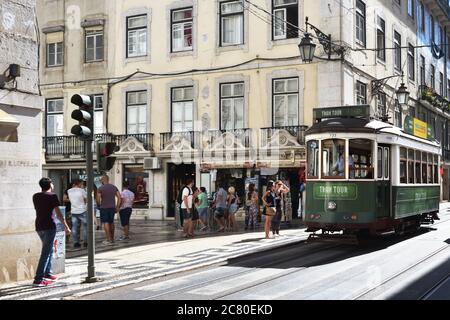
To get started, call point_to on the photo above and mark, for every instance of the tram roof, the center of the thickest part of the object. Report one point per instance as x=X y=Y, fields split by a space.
x=361 y=125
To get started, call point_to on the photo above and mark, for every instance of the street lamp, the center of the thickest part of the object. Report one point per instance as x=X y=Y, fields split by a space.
x=307 y=47
x=402 y=95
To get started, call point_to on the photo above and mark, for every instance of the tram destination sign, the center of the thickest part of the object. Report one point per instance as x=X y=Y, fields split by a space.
x=360 y=111
x=336 y=191
x=418 y=128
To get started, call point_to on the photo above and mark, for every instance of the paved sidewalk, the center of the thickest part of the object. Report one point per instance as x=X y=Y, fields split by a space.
x=125 y=266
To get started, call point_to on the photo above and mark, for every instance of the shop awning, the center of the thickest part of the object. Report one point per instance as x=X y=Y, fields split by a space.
x=8 y=127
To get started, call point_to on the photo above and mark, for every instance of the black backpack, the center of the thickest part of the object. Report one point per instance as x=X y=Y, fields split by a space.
x=180 y=193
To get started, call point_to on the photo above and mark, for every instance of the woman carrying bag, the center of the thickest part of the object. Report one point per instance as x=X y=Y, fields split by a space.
x=269 y=204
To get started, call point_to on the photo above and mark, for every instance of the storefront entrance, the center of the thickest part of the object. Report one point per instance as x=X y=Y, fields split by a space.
x=176 y=178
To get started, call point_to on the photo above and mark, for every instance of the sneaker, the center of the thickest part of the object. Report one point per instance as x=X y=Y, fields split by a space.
x=50 y=277
x=122 y=238
x=77 y=245
x=106 y=242
x=204 y=228
x=42 y=283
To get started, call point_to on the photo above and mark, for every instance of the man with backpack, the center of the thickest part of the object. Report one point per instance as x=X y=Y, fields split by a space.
x=185 y=198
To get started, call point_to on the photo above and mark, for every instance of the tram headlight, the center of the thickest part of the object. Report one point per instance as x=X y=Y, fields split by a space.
x=331 y=205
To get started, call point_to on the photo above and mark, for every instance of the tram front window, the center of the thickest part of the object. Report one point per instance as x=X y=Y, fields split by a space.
x=333 y=159
x=313 y=159
x=360 y=159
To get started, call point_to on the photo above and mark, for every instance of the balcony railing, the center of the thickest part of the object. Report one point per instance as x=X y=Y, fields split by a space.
x=168 y=137
x=298 y=132
x=243 y=136
x=436 y=100
x=67 y=146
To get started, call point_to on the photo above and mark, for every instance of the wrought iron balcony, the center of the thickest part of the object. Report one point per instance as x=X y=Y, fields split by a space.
x=439 y=8
x=436 y=100
x=71 y=146
x=279 y=136
x=178 y=140
x=239 y=138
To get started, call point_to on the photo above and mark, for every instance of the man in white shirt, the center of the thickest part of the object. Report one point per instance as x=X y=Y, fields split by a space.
x=186 y=207
x=78 y=198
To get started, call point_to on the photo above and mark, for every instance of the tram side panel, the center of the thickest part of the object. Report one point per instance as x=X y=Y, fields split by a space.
x=342 y=205
x=414 y=200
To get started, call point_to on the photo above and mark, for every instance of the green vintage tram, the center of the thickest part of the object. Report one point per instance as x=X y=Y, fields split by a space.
x=368 y=177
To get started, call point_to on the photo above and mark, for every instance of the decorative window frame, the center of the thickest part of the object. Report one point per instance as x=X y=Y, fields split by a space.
x=136 y=12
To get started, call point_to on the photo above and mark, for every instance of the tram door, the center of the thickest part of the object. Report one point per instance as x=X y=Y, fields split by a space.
x=384 y=181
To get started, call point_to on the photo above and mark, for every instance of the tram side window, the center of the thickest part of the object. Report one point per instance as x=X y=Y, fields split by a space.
x=380 y=163
x=360 y=159
x=410 y=166
x=403 y=161
x=430 y=168
x=424 y=167
x=313 y=159
x=333 y=159
x=417 y=166
x=435 y=169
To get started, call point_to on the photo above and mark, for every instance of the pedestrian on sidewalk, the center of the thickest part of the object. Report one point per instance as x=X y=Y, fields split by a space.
x=187 y=208
x=78 y=199
x=106 y=197
x=46 y=203
x=126 y=207
x=252 y=207
x=220 y=205
x=202 y=208
x=270 y=208
x=280 y=190
x=233 y=207
x=195 y=215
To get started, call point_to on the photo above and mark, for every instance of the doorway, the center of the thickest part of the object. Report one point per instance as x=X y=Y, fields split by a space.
x=176 y=178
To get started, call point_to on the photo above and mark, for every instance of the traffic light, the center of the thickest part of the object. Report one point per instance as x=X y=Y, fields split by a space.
x=105 y=161
x=85 y=117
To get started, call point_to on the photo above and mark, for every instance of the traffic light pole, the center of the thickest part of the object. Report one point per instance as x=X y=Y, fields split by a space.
x=90 y=223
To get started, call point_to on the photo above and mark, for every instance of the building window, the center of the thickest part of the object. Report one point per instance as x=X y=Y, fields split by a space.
x=422 y=17
x=361 y=93
x=54 y=54
x=433 y=76
x=182 y=101
x=381 y=39
x=381 y=105
x=98 y=114
x=137 y=179
x=94 y=46
x=55 y=117
x=411 y=60
x=422 y=70
x=397 y=51
x=232 y=106
x=137 y=36
x=136 y=112
x=182 y=24
x=285 y=102
x=284 y=19
x=441 y=84
x=411 y=8
x=361 y=23
x=432 y=31
x=231 y=23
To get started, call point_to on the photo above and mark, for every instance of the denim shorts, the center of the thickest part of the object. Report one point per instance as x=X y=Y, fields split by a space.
x=220 y=212
x=186 y=214
x=125 y=215
x=107 y=215
x=203 y=213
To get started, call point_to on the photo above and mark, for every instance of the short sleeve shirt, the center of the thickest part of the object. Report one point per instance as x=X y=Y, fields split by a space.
x=108 y=193
x=203 y=200
x=186 y=193
x=221 y=198
x=44 y=204
x=127 y=199
x=77 y=197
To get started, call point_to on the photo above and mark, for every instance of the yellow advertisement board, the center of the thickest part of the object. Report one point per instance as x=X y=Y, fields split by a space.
x=420 y=129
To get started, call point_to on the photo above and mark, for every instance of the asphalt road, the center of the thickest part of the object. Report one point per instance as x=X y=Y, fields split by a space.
x=409 y=267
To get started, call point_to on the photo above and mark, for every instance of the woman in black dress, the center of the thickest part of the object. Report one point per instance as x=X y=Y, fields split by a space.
x=280 y=189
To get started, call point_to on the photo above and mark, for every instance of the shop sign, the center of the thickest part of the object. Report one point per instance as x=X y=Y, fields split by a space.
x=418 y=128
x=336 y=191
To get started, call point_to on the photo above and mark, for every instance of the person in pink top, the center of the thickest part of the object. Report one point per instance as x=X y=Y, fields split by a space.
x=126 y=207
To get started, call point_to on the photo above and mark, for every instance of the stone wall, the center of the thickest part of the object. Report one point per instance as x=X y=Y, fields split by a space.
x=20 y=162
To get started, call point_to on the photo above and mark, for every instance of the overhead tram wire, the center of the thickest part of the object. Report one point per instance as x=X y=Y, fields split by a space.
x=334 y=42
